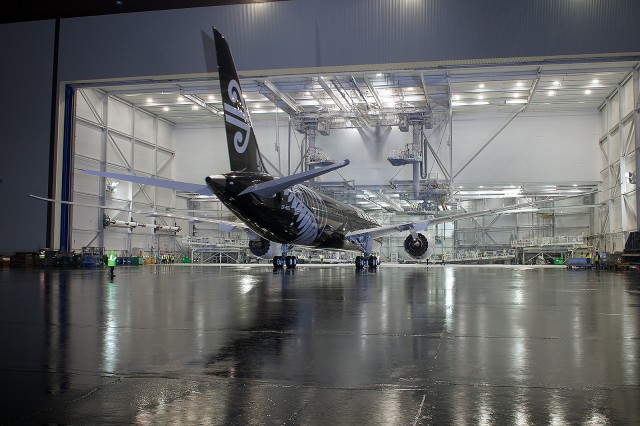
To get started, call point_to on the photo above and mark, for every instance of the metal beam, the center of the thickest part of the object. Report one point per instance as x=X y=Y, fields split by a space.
x=283 y=96
x=202 y=104
x=636 y=127
x=332 y=95
x=436 y=158
x=373 y=92
x=495 y=135
x=426 y=91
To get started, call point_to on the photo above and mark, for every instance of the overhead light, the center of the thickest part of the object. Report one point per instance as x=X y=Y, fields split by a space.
x=410 y=89
x=587 y=92
x=210 y=97
x=556 y=83
x=307 y=93
x=575 y=184
x=516 y=101
x=149 y=100
x=481 y=85
x=195 y=107
x=165 y=109
x=456 y=97
x=481 y=186
x=481 y=103
x=519 y=84
x=480 y=97
x=379 y=75
x=595 y=81
x=551 y=93
x=180 y=98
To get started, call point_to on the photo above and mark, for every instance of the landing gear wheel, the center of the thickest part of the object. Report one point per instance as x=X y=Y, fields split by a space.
x=360 y=262
x=278 y=262
x=372 y=262
x=290 y=262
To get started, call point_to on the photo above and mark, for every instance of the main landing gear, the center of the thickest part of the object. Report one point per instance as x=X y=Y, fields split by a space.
x=283 y=261
x=289 y=262
x=370 y=262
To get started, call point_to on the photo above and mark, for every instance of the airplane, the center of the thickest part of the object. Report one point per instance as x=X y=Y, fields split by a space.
x=284 y=210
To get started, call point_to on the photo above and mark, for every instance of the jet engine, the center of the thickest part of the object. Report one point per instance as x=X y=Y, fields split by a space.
x=418 y=248
x=262 y=248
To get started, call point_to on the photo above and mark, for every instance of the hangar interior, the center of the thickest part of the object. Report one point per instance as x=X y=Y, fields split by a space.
x=423 y=140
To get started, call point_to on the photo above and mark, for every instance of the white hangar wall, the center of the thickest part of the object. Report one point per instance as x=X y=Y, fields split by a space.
x=137 y=143
x=618 y=212
x=535 y=148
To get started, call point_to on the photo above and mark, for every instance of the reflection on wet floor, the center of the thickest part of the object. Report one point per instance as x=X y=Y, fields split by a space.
x=247 y=345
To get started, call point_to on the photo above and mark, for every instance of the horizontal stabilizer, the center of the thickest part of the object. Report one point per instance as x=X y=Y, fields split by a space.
x=162 y=183
x=269 y=188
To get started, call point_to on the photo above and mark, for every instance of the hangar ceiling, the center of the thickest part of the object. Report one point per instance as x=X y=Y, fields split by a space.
x=387 y=97
x=367 y=98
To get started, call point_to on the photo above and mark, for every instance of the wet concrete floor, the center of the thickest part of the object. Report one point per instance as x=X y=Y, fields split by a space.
x=322 y=345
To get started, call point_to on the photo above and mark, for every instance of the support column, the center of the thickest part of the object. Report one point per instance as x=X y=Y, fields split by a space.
x=636 y=131
x=611 y=176
x=310 y=131
x=416 y=165
x=104 y=140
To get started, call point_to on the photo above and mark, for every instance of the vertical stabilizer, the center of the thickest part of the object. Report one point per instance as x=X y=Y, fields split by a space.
x=244 y=154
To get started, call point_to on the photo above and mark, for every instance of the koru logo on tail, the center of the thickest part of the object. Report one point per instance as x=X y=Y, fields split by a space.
x=237 y=117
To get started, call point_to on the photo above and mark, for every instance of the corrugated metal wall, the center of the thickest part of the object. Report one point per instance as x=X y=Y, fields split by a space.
x=309 y=33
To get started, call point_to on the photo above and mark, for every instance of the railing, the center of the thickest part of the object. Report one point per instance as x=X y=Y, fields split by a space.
x=482 y=255
x=568 y=241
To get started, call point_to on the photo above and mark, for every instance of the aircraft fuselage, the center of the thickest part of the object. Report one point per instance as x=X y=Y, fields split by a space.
x=298 y=215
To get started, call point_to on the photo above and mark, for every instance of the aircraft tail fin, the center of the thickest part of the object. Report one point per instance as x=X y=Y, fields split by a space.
x=244 y=154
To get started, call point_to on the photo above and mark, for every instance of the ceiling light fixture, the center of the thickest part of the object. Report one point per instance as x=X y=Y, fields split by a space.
x=165 y=109
x=551 y=93
x=519 y=84
x=587 y=92
x=595 y=81
x=210 y=97
x=149 y=100
x=180 y=99
x=481 y=85
x=556 y=83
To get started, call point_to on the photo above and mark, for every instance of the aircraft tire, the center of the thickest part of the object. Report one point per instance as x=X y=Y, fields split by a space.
x=372 y=262
x=360 y=262
x=278 y=262
x=291 y=262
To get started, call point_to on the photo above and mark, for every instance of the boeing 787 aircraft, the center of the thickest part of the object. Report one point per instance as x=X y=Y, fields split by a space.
x=283 y=210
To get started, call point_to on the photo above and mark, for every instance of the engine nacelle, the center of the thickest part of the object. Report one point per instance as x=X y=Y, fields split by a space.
x=262 y=248
x=420 y=247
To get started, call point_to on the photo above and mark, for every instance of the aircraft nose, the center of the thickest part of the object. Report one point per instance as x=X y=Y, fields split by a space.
x=218 y=182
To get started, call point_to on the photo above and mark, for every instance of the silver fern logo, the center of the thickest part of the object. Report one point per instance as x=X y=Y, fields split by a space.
x=309 y=215
x=237 y=117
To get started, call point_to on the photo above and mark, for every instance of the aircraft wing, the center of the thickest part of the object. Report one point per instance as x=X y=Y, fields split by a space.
x=422 y=225
x=390 y=229
x=223 y=225
x=162 y=183
x=514 y=208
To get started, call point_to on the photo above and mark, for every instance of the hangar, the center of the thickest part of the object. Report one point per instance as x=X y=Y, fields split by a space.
x=440 y=110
